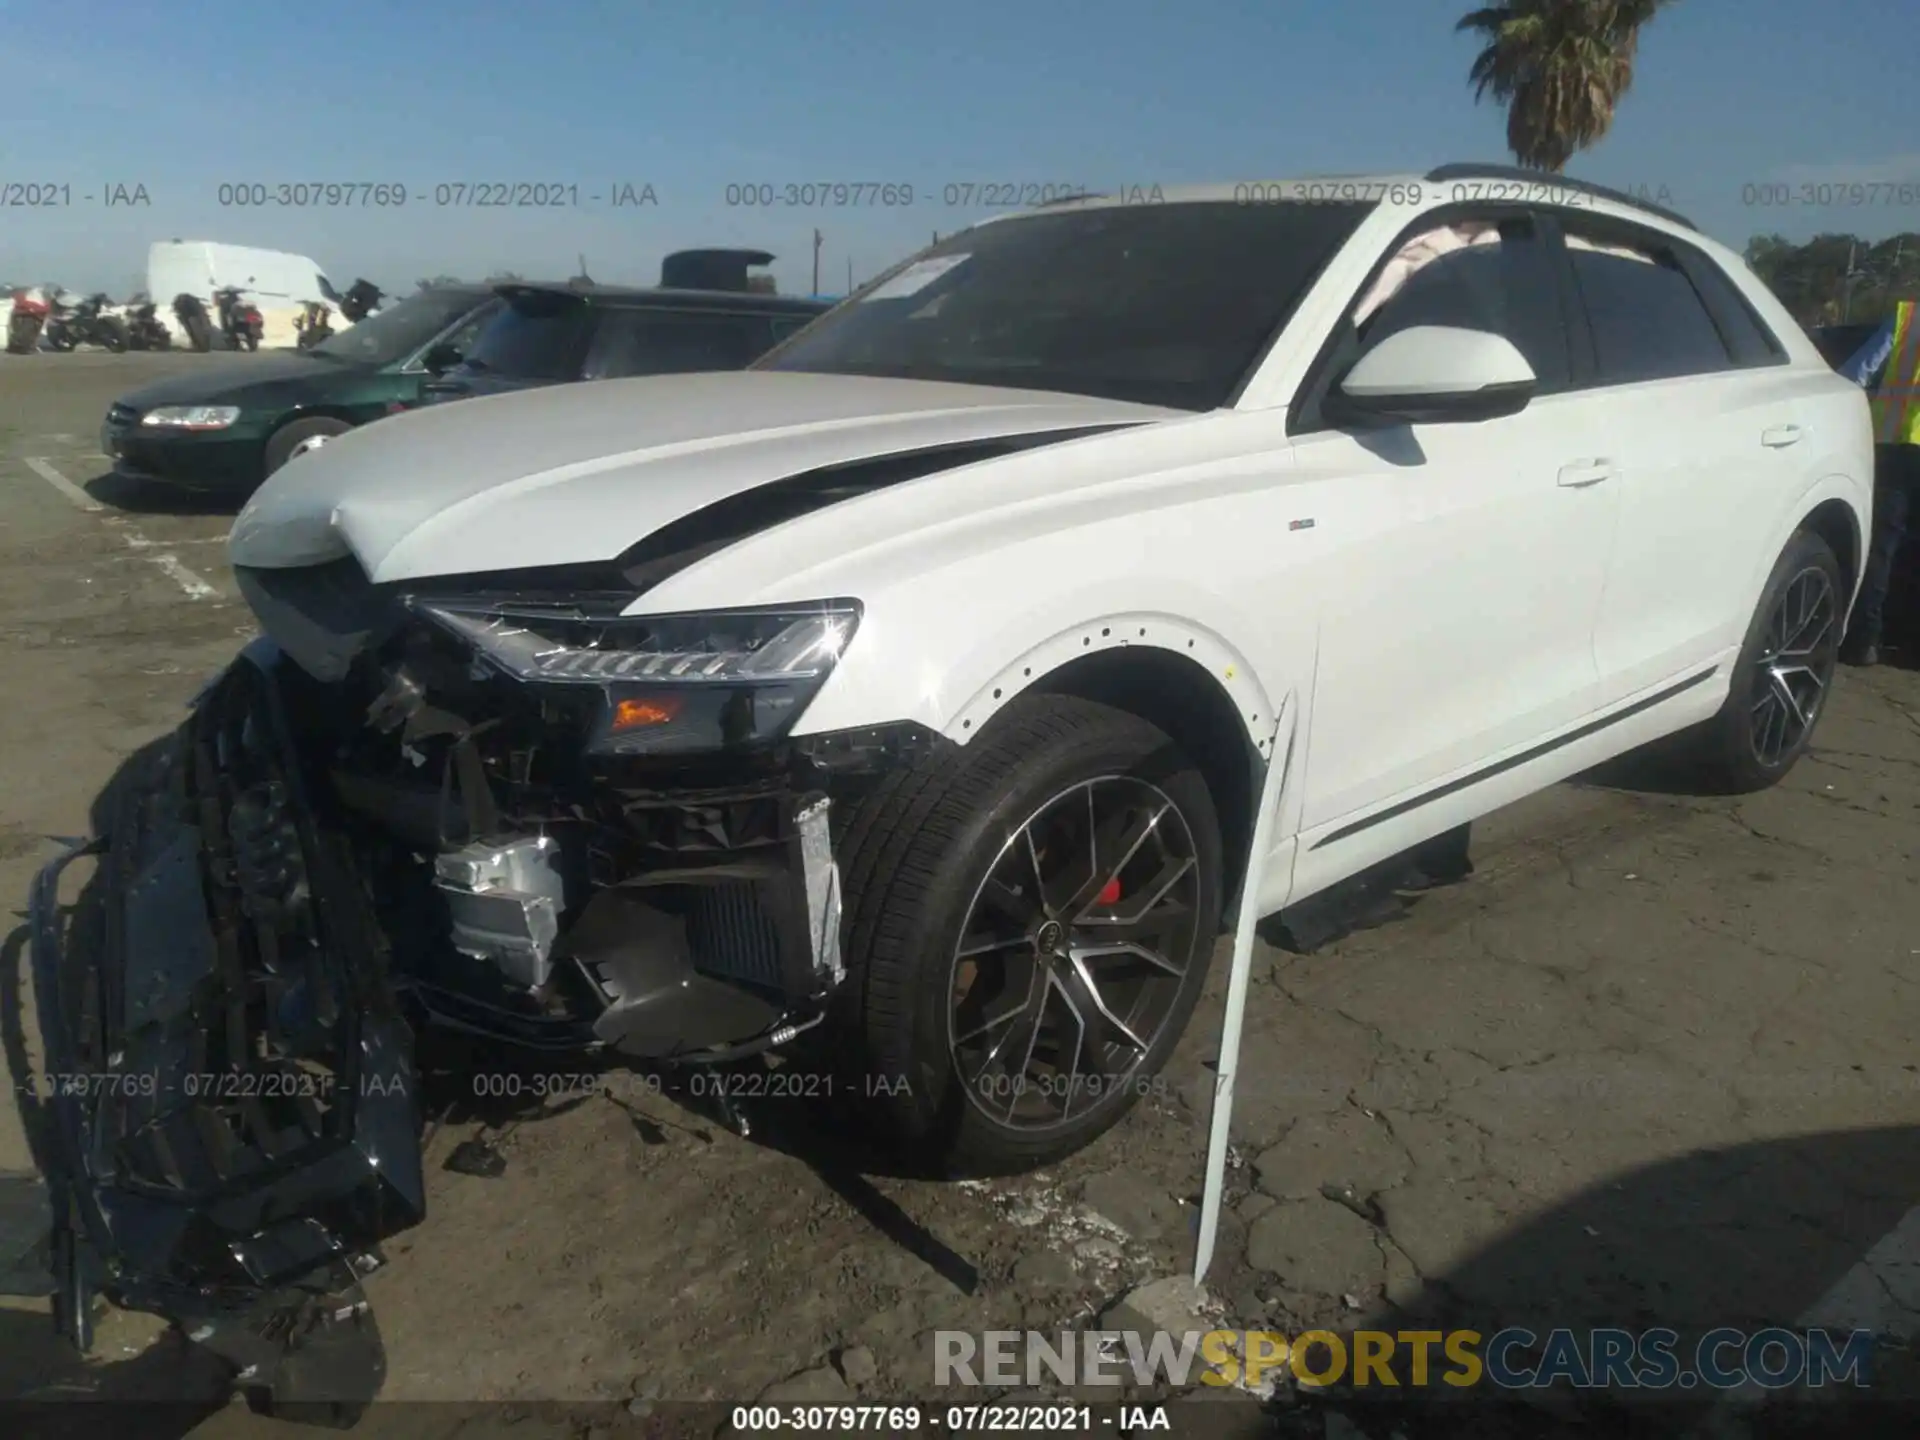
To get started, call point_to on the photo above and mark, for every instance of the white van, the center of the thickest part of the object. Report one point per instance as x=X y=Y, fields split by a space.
x=275 y=280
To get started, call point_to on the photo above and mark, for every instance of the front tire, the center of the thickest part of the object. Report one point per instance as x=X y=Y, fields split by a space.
x=1783 y=674
x=113 y=335
x=1030 y=924
x=300 y=437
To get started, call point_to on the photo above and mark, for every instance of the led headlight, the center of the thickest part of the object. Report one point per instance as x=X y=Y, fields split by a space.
x=670 y=682
x=191 y=417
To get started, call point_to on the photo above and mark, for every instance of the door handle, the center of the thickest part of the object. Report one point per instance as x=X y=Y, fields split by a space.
x=1781 y=435
x=1584 y=473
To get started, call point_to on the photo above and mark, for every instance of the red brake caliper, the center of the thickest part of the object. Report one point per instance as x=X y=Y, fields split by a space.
x=1109 y=893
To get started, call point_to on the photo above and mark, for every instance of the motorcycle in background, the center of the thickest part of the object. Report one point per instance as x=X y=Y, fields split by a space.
x=192 y=315
x=86 y=324
x=30 y=311
x=240 y=320
x=363 y=297
x=312 y=325
x=145 y=331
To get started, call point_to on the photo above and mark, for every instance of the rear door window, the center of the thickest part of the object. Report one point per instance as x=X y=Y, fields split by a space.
x=675 y=342
x=1648 y=321
x=538 y=336
x=1746 y=334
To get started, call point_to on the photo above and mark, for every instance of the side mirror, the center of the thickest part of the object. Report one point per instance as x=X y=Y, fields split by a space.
x=440 y=359
x=1433 y=375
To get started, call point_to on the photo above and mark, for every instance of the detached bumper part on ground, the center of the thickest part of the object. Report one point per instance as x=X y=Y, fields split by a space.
x=228 y=1012
x=233 y=1100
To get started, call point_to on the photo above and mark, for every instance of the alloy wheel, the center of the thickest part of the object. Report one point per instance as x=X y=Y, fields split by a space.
x=1795 y=665
x=1073 y=953
x=312 y=442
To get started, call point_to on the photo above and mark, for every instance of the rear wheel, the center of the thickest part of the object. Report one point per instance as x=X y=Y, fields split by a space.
x=1782 y=676
x=1031 y=923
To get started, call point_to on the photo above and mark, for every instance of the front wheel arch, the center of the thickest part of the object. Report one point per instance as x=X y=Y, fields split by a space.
x=1177 y=696
x=1182 y=678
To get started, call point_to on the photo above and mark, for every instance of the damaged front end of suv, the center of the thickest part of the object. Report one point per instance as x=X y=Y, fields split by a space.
x=492 y=803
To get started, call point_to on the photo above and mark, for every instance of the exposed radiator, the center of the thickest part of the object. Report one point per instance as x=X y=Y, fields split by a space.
x=731 y=934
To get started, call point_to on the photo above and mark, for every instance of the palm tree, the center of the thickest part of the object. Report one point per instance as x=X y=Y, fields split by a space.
x=1559 y=66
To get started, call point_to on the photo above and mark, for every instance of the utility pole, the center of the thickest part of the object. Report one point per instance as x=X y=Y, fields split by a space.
x=1846 y=303
x=849 y=274
x=816 y=262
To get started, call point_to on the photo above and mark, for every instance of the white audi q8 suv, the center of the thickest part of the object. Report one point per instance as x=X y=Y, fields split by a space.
x=904 y=701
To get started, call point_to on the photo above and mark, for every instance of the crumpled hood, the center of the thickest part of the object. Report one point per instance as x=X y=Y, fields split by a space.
x=578 y=473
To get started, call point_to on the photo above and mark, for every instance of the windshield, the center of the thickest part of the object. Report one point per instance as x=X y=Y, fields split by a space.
x=538 y=335
x=1163 y=304
x=397 y=332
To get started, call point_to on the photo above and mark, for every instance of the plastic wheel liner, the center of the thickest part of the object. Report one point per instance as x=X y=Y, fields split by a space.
x=233 y=1110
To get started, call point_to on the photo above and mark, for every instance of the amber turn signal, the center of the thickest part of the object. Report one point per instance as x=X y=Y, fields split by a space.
x=632 y=714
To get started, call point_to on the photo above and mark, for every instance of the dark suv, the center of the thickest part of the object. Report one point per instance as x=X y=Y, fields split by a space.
x=551 y=334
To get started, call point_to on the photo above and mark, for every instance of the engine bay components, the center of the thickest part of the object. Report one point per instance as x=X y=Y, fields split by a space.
x=504 y=899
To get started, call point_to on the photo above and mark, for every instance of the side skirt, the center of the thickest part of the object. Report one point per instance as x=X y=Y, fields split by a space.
x=1353 y=858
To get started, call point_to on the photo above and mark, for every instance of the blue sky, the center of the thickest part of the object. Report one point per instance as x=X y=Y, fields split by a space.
x=696 y=95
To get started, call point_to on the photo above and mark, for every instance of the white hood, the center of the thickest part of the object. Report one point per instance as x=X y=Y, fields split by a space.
x=578 y=473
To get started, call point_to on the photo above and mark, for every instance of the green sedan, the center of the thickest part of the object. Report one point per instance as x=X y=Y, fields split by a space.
x=227 y=430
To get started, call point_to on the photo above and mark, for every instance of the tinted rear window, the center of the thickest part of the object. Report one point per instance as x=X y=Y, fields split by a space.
x=1648 y=321
x=669 y=342
x=1746 y=334
x=535 y=337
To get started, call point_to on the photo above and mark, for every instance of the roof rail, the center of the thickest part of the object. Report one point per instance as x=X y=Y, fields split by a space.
x=1471 y=171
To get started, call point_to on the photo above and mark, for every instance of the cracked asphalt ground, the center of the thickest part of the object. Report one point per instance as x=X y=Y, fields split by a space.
x=1652 y=1064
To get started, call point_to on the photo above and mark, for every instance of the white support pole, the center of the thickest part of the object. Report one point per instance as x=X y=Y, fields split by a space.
x=1264 y=820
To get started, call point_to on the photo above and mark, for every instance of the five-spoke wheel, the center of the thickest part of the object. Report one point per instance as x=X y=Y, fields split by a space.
x=1070 y=960
x=1779 y=685
x=1795 y=664
x=1031 y=917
